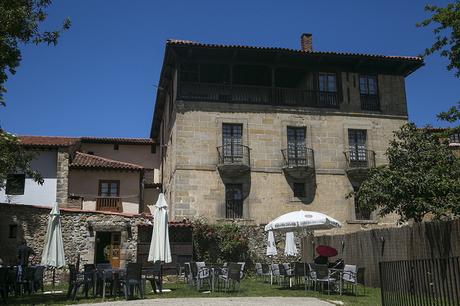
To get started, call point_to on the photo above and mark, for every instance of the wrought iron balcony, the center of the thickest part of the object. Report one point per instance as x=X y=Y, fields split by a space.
x=299 y=162
x=247 y=94
x=370 y=102
x=233 y=159
x=358 y=164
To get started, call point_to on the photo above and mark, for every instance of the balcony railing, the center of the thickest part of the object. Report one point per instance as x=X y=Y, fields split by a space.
x=370 y=102
x=109 y=204
x=298 y=157
x=246 y=94
x=234 y=209
x=234 y=154
x=360 y=159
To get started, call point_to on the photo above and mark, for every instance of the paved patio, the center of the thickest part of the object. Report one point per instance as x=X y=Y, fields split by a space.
x=230 y=301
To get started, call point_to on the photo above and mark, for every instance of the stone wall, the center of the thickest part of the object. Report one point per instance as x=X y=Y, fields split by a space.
x=195 y=188
x=62 y=188
x=78 y=230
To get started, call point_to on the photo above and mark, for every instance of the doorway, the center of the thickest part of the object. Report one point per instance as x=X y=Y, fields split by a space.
x=108 y=248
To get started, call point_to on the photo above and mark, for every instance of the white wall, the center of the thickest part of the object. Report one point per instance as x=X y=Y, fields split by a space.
x=34 y=194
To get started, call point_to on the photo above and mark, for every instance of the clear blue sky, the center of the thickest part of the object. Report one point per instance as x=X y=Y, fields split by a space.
x=99 y=80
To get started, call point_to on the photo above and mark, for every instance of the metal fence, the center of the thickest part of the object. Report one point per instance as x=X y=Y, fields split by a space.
x=420 y=282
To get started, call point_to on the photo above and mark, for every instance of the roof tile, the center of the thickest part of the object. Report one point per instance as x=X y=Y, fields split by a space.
x=83 y=160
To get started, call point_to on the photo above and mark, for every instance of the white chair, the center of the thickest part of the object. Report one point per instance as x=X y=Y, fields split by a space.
x=275 y=273
x=349 y=277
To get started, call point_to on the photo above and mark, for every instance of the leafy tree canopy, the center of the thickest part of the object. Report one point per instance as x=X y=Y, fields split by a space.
x=422 y=177
x=447 y=33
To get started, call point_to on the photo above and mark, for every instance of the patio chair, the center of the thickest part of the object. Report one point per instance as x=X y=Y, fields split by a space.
x=38 y=278
x=286 y=273
x=156 y=277
x=259 y=272
x=275 y=273
x=3 y=284
x=132 y=279
x=231 y=277
x=243 y=264
x=309 y=276
x=324 y=276
x=188 y=274
x=265 y=272
x=104 y=277
x=85 y=279
x=349 y=277
x=202 y=274
x=299 y=272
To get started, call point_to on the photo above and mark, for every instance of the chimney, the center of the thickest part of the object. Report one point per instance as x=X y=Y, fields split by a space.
x=306 y=42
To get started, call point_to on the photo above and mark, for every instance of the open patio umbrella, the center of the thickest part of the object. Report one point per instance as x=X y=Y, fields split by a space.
x=290 y=249
x=302 y=221
x=271 y=245
x=53 y=250
x=326 y=251
x=159 y=246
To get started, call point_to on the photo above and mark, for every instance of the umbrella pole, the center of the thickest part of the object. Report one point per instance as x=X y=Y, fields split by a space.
x=54 y=278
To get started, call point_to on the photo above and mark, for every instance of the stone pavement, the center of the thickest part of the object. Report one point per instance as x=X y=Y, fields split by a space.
x=230 y=301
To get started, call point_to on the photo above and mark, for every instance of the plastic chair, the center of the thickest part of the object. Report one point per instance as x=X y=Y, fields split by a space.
x=38 y=278
x=275 y=273
x=133 y=279
x=104 y=278
x=233 y=276
x=202 y=274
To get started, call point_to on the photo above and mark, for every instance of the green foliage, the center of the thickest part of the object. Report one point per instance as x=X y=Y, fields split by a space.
x=447 y=33
x=14 y=159
x=218 y=243
x=19 y=23
x=422 y=177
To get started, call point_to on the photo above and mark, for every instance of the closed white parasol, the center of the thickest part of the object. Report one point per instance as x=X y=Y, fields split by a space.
x=302 y=221
x=159 y=246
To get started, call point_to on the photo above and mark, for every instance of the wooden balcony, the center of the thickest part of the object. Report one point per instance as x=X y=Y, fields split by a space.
x=109 y=204
x=246 y=94
x=234 y=159
x=358 y=164
x=298 y=163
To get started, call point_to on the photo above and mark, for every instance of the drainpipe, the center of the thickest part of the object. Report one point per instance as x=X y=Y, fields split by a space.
x=141 y=190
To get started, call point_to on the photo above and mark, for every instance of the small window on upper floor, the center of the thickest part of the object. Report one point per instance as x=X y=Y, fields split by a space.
x=299 y=190
x=15 y=184
x=115 y=146
x=454 y=139
x=327 y=82
x=13 y=231
x=368 y=89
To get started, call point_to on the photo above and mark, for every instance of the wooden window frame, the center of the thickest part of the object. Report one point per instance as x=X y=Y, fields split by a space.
x=336 y=77
x=109 y=182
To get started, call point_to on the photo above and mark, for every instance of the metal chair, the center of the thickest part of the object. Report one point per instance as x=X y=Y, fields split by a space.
x=324 y=276
x=132 y=279
x=274 y=273
x=232 y=276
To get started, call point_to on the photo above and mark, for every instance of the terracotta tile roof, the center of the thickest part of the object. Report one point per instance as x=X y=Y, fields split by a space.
x=84 y=161
x=47 y=141
x=194 y=43
x=146 y=141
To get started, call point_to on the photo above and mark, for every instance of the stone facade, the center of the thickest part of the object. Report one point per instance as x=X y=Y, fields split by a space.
x=196 y=188
x=62 y=173
x=78 y=231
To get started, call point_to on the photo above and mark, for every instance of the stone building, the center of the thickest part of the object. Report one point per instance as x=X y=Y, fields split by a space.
x=249 y=133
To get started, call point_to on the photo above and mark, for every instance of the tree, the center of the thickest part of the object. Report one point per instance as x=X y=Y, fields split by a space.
x=447 y=33
x=19 y=24
x=422 y=177
x=14 y=158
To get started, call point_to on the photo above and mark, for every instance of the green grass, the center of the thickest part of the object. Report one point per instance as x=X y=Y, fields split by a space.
x=249 y=287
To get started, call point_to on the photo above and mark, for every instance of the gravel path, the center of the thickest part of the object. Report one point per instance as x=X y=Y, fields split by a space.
x=230 y=301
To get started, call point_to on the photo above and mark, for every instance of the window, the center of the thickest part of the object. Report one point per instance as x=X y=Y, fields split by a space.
x=115 y=146
x=357 y=146
x=454 y=139
x=153 y=149
x=234 y=201
x=13 y=231
x=109 y=188
x=232 y=138
x=369 y=92
x=360 y=213
x=296 y=145
x=299 y=190
x=15 y=184
x=327 y=82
